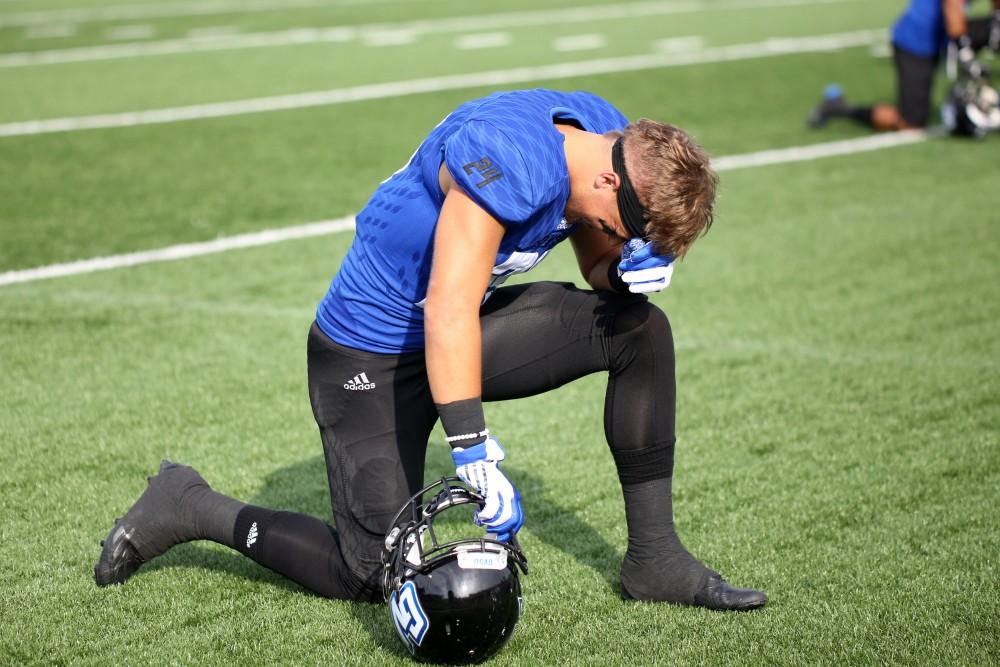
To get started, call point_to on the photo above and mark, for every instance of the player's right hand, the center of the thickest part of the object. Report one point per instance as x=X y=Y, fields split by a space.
x=966 y=57
x=477 y=466
x=643 y=269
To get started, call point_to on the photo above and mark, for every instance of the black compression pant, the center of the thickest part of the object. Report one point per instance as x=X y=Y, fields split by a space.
x=375 y=414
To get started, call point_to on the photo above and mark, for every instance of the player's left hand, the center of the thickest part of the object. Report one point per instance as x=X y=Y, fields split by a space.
x=643 y=269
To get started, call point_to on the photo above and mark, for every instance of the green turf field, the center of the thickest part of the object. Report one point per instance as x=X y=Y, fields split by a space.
x=837 y=335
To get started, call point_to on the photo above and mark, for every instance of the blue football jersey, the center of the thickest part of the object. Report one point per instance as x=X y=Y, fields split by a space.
x=506 y=154
x=920 y=30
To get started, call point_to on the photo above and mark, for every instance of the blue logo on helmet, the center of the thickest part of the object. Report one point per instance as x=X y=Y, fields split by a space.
x=408 y=616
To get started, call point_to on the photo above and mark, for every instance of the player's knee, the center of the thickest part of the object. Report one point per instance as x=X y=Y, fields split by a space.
x=641 y=329
x=887 y=118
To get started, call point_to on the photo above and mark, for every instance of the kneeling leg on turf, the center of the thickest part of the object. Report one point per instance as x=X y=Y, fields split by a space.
x=374 y=443
x=179 y=506
x=540 y=336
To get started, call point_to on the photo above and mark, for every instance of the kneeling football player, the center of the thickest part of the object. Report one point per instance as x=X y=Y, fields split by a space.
x=416 y=327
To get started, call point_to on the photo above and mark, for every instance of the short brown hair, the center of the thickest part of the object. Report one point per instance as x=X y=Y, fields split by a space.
x=674 y=181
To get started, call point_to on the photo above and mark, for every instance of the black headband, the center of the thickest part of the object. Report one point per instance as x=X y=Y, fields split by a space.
x=632 y=212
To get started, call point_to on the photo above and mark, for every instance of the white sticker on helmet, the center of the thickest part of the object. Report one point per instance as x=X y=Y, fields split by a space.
x=482 y=560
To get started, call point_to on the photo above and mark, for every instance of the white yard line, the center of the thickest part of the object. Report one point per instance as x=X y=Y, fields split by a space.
x=579 y=42
x=295 y=36
x=190 y=44
x=388 y=38
x=679 y=44
x=483 y=40
x=213 y=32
x=267 y=237
x=828 y=149
x=175 y=252
x=168 y=10
x=50 y=31
x=127 y=32
x=494 y=78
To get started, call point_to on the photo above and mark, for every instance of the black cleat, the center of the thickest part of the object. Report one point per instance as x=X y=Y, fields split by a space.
x=719 y=595
x=833 y=104
x=119 y=560
x=154 y=524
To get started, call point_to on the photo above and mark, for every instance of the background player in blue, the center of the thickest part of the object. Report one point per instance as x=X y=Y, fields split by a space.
x=919 y=37
x=416 y=327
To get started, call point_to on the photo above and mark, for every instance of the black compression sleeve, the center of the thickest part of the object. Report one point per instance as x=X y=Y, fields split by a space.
x=463 y=421
x=862 y=115
x=302 y=548
x=615 y=280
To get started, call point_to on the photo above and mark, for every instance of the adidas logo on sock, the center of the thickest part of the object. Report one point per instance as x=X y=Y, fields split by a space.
x=359 y=382
x=252 y=535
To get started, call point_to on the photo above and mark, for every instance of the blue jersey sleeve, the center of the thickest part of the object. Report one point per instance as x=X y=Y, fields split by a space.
x=491 y=169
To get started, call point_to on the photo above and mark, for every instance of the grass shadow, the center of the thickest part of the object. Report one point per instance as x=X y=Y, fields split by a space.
x=195 y=555
x=301 y=487
x=561 y=528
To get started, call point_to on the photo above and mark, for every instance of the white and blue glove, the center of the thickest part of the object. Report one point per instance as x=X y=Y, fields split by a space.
x=964 y=59
x=477 y=466
x=642 y=269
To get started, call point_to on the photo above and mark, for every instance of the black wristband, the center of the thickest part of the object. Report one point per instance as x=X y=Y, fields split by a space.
x=615 y=280
x=463 y=421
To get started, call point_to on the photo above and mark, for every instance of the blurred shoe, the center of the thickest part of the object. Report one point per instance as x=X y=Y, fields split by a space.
x=833 y=104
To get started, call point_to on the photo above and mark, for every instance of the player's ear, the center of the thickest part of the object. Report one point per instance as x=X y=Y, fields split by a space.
x=607 y=180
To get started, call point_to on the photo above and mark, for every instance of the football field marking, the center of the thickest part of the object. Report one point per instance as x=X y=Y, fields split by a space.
x=495 y=78
x=483 y=40
x=126 y=32
x=325 y=227
x=50 y=31
x=580 y=42
x=827 y=149
x=169 y=10
x=315 y=35
x=678 y=44
x=213 y=32
x=388 y=38
x=181 y=251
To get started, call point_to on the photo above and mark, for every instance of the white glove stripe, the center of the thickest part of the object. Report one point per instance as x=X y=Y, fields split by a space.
x=644 y=275
x=646 y=288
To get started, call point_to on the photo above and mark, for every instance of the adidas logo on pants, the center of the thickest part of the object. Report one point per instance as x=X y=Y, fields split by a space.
x=360 y=382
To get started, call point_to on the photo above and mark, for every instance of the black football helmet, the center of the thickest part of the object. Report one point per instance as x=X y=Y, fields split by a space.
x=972 y=106
x=455 y=601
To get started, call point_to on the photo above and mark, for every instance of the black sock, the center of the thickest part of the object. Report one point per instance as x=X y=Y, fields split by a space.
x=179 y=506
x=302 y=548
x=213 y=515
x=861 y=115
x=656 y=564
